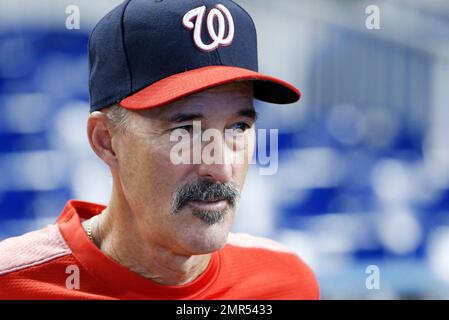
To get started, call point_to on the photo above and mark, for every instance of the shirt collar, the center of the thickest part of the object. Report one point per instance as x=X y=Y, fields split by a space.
x=118 y=279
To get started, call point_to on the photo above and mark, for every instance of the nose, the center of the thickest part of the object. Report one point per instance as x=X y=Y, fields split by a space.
x=216 y=165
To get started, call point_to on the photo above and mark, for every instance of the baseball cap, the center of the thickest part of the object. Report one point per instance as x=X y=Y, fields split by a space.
x=147 y=53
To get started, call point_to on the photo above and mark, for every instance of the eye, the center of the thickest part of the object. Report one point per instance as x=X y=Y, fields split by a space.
x=188 y=128
x=240 y=127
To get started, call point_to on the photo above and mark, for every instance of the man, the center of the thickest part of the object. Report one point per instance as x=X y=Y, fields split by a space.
x=157 y=70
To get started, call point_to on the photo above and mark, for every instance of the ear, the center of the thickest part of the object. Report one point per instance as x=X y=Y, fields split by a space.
x=99 y=132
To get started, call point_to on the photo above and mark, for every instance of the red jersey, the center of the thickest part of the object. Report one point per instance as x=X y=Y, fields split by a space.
x=60 y=262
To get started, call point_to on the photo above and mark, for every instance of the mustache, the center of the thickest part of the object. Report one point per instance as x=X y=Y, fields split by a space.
x=205 y=190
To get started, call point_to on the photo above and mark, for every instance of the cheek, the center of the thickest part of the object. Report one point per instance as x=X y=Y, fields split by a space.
x=148 y=177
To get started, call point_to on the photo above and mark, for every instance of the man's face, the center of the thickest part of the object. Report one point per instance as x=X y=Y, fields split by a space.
x=187 y=208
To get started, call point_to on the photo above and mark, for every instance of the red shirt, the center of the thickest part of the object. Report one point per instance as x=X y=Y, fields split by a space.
x=50 y=264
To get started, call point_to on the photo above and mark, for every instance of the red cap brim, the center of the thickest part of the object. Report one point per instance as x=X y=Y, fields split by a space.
x=177 y=86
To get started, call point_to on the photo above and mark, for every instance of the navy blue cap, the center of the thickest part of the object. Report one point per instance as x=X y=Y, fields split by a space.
x=147 y=53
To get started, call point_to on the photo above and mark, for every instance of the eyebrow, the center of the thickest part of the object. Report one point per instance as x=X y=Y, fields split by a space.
x=184 y=117
x=249 y=113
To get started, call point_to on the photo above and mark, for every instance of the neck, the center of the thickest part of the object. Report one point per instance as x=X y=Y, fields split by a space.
x=117 y=235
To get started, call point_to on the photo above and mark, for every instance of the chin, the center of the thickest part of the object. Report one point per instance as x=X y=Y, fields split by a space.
x=207 y=240
x=199 y=236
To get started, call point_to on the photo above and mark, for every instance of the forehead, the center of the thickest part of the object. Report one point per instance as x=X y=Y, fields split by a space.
x=234 y=96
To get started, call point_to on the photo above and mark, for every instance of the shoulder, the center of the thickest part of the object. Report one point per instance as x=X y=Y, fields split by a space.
x=31 y=249
x=247 y=241
x=271 y=260
x=251 y=248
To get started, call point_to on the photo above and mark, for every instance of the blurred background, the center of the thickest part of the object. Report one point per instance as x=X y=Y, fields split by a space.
x=363 y=174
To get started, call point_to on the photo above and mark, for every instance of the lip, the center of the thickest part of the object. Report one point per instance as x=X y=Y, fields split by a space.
x=208 y=205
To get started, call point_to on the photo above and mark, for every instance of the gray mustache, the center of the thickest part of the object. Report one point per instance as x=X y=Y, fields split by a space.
x=205 y=190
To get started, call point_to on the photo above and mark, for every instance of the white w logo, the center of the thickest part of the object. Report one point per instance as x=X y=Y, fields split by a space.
x=219 y=13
